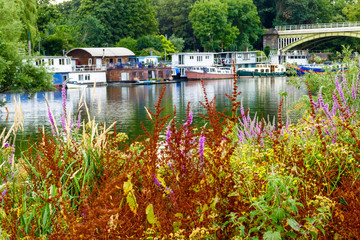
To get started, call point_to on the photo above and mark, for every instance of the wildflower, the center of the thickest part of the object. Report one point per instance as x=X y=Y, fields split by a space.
x=63 y=117
x=201 y=146
x=168 y=134
x=6 y=144
x=189 y=119
x=353 y=92
x=4 y=192
x=157 y=182
x=78 y=123
x=51 y=118
x=340 y=90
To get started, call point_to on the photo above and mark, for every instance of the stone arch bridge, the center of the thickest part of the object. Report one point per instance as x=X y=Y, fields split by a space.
x=290 y=36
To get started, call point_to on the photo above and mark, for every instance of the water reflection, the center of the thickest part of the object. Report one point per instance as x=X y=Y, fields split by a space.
x=126 y=103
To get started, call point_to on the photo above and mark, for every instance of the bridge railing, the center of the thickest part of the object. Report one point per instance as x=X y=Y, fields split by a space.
x=317 y=25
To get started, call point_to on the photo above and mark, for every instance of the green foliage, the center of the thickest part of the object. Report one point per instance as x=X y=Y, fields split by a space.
x=177 y=42
x=17 y=74
x=175 y=21
x=166 y=46
x=149 y=41
x=129 y=43
x=120 y=19
x=267 y=50
x=243 y=15
x=150 y=51
x=209 y=19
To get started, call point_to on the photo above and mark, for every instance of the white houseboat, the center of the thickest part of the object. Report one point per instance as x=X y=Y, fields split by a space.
x=251 y=63
x=199 y=65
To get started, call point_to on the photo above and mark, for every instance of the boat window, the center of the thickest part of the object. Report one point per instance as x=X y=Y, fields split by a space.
x=262 y=70
x=239 y=56
x=256 y=70
x=90 y=62
x=61 y=61
x=212 y=69
x=51 y=61
x=81 y=77
x=246 y=56
x=68 y=61
x=199 y=58
x=207 y=57
x=191 y=57
x=87 y=77
x=267 y=70
x=181 y=59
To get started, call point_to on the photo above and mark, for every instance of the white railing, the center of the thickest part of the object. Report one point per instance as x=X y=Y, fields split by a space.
x=317 y=26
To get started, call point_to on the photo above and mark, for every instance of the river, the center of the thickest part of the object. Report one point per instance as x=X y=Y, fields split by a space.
x=125 y=104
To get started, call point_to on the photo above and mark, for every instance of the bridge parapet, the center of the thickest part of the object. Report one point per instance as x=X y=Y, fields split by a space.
x=317 y=26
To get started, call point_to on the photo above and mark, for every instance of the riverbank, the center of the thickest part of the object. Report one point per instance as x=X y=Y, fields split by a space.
x=233 y=177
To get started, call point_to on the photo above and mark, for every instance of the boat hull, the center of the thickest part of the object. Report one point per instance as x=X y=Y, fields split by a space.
x=303 y=69
x=242 y=73
x=196 y=75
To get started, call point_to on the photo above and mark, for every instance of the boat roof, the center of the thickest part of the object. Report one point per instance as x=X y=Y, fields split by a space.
x=108 y=52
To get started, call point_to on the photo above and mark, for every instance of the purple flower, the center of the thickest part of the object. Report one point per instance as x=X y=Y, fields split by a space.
x=6 y=144
x=189 y=119
x=157 y=182
x=4 y=192
x=168 y=134
x=340 y=90
x=78 y=123
x=51 y=117
x=202 y=140
x=353 y=92
x=63 y=117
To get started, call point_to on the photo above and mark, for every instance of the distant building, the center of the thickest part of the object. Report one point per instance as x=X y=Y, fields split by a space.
x=100 y=56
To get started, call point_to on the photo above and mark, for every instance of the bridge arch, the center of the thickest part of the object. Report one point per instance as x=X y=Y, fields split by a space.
x=319 y=36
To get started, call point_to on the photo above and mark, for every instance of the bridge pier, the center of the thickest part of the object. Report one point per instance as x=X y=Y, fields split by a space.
x=271 y=38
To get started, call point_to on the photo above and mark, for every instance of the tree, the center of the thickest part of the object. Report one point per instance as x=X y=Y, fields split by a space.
x=149 y=41
x=92 y=31
x=128 y=43
x=47 y=13
x=304 y=11
x=243 y=15
x=177 y=42
x=166 y=46
x=209 y=19
x=175 y=20
x=129 y=18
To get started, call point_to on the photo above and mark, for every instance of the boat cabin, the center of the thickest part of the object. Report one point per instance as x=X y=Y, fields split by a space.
x=98 y=58
x=182 y=61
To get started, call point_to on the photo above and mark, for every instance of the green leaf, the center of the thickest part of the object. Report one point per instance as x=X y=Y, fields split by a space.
x=291 y=234
x=293 y=224
x=215 y=201
x=270 y=235
x=278 y=214
x=179 y=215
x=128 y=186
x=150 y=214
x=131 y=200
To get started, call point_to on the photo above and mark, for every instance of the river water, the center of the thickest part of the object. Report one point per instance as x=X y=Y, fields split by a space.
x=125 y=104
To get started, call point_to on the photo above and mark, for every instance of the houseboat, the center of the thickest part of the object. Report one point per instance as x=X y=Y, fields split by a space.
x=183 y=62
x=250 y=63
x=195 y=73
x=58 y=66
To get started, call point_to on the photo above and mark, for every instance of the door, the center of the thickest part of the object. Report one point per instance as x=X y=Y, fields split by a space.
x=124 y=76
x=98 y=63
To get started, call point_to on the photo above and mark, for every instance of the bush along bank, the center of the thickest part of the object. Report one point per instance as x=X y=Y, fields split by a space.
x=233 y=178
